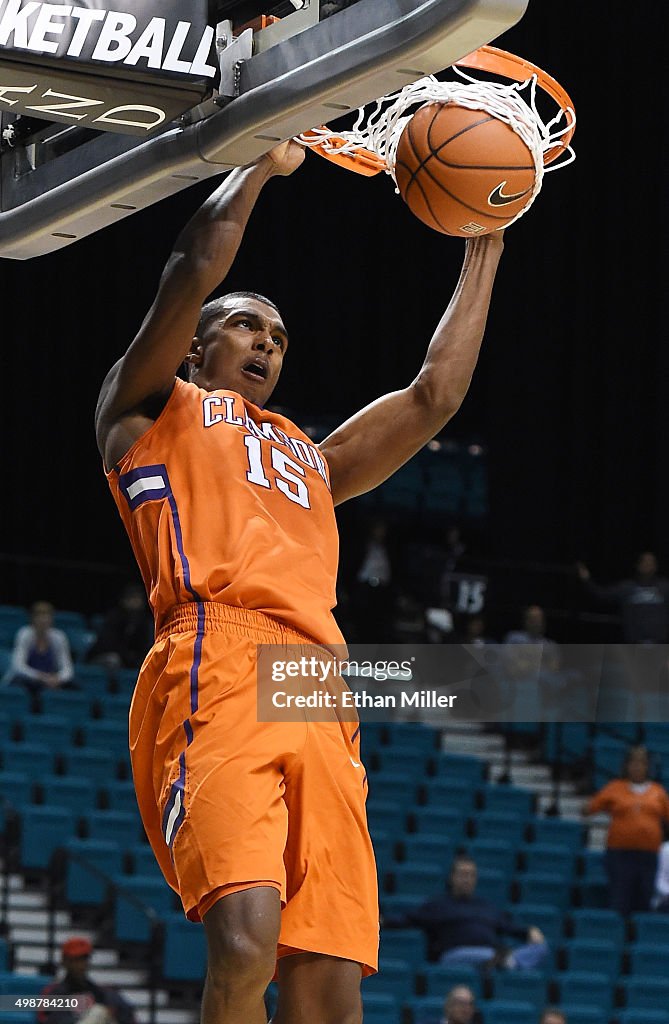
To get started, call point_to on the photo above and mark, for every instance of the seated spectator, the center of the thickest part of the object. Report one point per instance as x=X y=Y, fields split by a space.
x=460 y=1006
x=552 y=1015
x=41 y=656
x=96 y=1005
x=638 y=809
x=126 y=633
x=463 y=929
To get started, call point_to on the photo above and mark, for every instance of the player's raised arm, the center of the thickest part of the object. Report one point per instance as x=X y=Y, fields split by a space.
x=199 y=262
x=370 y=446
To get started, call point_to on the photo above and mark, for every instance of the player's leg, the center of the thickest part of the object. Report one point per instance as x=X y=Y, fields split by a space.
x=315 y=989
x=242 y=931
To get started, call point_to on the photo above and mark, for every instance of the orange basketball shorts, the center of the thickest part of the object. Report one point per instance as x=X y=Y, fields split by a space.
x=229 y=802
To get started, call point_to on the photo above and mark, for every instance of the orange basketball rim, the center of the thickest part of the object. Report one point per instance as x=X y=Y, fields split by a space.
x=342 y=149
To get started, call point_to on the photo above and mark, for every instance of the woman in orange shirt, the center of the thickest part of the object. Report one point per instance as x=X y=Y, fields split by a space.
x=638 y=809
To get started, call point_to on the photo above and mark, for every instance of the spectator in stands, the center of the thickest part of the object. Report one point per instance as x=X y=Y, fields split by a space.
x=533 y=632
x=41 y=656
x=373 y=595
x=96 y=1005
x=638 y=808
x=464 y=929
x=643 y=600
x=552 y=1015
x=460 y=1006
x=126 y=633
x=474 y=633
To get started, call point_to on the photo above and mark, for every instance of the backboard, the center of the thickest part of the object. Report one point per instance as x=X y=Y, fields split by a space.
x=126 y=102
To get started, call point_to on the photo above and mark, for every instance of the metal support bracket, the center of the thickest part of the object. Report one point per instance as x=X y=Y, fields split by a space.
x=370 y=49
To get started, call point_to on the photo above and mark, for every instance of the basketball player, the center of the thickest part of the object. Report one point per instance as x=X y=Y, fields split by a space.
x=259 y=827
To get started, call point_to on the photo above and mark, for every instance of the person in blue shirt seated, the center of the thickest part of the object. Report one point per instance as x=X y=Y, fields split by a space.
x=464 y=929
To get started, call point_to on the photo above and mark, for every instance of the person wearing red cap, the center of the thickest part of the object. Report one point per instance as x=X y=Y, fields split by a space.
x=95 y=1004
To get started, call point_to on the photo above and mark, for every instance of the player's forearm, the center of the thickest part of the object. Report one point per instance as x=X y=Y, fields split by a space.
x=207 y=246
x=452 y=355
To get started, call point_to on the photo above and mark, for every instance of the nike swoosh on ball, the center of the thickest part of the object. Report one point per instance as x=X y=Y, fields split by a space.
x=497 y=197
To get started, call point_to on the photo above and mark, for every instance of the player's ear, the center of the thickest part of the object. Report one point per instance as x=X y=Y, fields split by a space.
x=195 y=353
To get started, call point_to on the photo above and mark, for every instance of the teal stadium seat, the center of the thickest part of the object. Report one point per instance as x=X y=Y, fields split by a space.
x=97 y=765
x=578 y=1014
x=16 y=788
x=522 y=986
x=14 y=702
x=550 y=858
x=120 y=795
x=6 y=729
x=125 y=827
x=593 y=923
x=392 y=786
x=413 y=734
x=541 y=887
x=31 y=759
x=84 y=886
x=440 y=978
x=493 y=885
x=114 y=706
x=460 y=766
x=594 y=884
x=429 y=846
x=643 y=1017
x=54 y=731
x=505 y=1011
x=586 y=988
x=80 y=640
x=395 y=978
x=450 y=794
x=379 y=1007
x=419 y=878
x=384 y=850
x=75 y=706
x=407 y=944
x=43 y=830
x=64 y=619
x=548 y=919
x=143 y=860
x=648 y=960
x=385 y=816
x=424 y=1009
x=498 y=825
x=508 y=800
x=495 y=854
x=600 y=955
x=80 y=795
x=107 y=735
x=563 y=833
x=131 y=923
x=4 y=955
x=646 y=993
x=404 y=759
x=184 y=950
x=652 y=928
x=434 y=820
x=94 y=682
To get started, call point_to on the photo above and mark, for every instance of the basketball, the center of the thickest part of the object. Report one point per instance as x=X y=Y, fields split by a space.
x=463 y=172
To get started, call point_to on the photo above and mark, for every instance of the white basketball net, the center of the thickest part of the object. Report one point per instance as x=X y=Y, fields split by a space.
x=380 y=130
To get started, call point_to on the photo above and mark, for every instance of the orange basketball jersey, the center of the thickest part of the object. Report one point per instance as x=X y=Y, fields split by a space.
x=225 y=502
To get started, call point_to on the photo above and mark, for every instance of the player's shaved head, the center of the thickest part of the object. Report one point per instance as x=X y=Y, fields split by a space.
x=217 y=307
